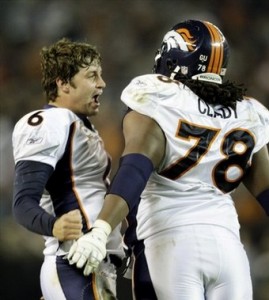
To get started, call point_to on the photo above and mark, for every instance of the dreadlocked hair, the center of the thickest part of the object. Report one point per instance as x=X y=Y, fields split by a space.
x=226 y=94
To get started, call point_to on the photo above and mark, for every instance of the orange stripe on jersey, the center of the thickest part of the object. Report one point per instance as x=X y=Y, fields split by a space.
x=73 y=181
x=216 y=58
x=187 y=37
x=94 y=287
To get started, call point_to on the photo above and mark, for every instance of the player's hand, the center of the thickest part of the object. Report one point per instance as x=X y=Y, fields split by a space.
x=68 y=226
x=90 y=249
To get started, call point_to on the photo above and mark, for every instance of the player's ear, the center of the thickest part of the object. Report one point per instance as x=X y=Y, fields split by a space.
x=62 y=85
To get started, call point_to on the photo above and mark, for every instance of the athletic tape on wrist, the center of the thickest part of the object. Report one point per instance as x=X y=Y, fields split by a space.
x=263 y=199
x=131 y=178
x=103 y=225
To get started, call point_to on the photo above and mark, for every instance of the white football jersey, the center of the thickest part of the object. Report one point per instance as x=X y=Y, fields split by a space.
x=208 y=149
x=59 y=138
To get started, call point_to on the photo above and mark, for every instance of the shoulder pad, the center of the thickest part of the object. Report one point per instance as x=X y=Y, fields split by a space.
x=148 y=91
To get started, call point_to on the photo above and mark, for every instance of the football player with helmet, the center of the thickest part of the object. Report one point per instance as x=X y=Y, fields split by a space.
x=190 y=139
x=62 y=169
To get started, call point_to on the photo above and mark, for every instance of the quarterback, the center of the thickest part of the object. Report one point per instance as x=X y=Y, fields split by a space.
x=62 y=169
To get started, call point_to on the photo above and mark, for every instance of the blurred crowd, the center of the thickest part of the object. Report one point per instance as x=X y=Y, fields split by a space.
x=127 y=33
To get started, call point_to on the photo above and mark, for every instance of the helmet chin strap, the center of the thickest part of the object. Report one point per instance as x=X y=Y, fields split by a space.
x=175 y=72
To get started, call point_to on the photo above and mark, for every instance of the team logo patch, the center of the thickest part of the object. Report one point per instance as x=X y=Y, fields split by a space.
x=184 y=70
x=34 y=140
x=188 y=38
x=180 y=38
x=140 y=83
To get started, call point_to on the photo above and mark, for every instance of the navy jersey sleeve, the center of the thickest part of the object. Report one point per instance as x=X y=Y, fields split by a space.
x=29 y=183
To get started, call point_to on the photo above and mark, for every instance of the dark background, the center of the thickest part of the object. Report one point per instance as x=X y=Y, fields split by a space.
x=127 y=33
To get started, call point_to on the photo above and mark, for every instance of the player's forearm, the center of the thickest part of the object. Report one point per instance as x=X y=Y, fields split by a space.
x=34 y=219
x=30 y=180
x=115 y=209
x=126 y=187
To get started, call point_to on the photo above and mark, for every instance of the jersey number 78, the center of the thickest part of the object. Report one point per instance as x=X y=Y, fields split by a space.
x=235 y=148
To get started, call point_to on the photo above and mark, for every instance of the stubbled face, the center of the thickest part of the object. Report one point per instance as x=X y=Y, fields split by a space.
x=81 y=94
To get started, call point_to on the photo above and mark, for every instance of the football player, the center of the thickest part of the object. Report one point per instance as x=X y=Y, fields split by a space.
x=62 y=169
x=190 y=139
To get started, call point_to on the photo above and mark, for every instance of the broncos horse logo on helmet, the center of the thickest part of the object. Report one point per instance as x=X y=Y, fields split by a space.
x=193 y=49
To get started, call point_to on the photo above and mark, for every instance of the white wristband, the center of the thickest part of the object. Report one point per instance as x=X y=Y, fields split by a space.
x=103 y=225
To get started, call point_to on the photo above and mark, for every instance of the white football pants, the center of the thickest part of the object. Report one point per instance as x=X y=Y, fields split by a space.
x=198 y=262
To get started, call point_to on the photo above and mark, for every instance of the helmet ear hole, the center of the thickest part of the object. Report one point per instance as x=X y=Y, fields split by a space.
x=170 y=63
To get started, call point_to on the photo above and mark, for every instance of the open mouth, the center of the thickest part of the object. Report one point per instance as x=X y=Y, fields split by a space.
x=96 y=98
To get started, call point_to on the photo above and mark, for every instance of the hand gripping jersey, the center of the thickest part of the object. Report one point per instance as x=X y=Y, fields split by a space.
x=58 y=137
x=207 y=152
